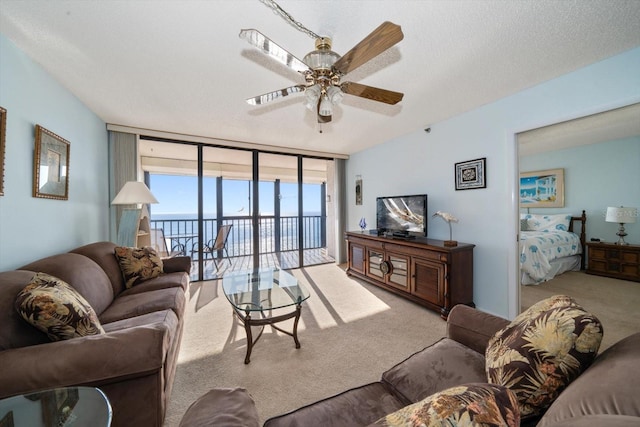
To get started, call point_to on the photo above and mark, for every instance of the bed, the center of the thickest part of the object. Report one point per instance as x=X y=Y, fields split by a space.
x=549 y=246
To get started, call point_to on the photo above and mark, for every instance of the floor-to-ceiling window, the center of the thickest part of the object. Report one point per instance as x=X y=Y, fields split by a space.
x=274 y=205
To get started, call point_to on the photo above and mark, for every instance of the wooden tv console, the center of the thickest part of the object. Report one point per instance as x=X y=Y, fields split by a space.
x=420 y=269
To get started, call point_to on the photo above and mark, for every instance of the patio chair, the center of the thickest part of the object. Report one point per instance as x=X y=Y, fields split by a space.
x=218 y=246
x=159 y=243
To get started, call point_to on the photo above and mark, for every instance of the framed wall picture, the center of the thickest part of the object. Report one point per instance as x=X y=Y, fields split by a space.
x=3 y=139
x=358 y=190
x=542 y=189
x=50 y=165
x=471 y=174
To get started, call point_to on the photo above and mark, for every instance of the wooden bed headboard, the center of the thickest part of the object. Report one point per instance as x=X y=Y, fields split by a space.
x=583 y=235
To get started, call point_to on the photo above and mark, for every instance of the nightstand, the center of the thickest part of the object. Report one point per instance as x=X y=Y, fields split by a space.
x=617 y=261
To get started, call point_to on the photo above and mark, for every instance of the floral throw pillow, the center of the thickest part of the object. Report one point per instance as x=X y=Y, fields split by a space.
x=138 y=264
x=55 y=308
x=473 y=405
x=542 y=350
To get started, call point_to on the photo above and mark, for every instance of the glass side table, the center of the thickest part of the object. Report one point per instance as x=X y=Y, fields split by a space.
x=60 y=407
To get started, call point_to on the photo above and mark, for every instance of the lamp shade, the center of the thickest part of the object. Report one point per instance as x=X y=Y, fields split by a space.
x=134 y=192
x=621 y=215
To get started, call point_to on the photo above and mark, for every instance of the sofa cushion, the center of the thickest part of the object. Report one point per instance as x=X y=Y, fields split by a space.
x=609 y=386
x=82 y=273
x=445 y=364
x=55 y=308
x=542 y=351
x=228 y=407
x=473 y=405
x=171 y=280
x=138 y=264
x=14 y=331
x=127 y=306
x=359 y=406
x=102 y=253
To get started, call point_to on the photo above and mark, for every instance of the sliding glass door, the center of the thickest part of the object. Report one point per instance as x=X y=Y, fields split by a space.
x=273 y=206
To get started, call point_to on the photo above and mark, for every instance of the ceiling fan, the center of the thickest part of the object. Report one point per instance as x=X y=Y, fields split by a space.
x=323 y=69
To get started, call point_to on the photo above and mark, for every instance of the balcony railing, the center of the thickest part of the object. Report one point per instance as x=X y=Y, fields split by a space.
x=275 y=236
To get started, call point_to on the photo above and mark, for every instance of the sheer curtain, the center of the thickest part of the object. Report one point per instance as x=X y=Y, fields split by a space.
x=340 y=210
x=123 y=167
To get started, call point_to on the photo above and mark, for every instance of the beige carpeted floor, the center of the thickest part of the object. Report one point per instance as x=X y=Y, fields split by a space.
x=350 y=333
x=615 y=302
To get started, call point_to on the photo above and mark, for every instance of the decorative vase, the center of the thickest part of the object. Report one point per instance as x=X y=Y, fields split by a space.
x=363 y=224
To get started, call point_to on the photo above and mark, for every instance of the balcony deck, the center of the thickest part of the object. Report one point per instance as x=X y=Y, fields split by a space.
x=284 y=260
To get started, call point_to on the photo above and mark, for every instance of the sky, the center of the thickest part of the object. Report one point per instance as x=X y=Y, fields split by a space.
x=178 y=194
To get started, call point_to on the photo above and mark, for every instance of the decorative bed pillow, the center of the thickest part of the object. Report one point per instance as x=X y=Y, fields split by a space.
x=524 y=225
x=473 y=405
x=559 y=222
x=55 y=308
x=138 y=264
x=542 y=350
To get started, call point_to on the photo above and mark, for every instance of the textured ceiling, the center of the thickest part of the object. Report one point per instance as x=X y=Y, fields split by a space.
x=179 y=66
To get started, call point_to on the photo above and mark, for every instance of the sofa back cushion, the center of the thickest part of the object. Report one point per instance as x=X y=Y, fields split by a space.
x=542 y=351
x=609 y=386
x=84 y=275
x=102 y=253
x=14 y=331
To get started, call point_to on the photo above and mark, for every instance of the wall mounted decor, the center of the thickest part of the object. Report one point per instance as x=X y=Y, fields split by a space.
x=358 y=189
x=471 y=174
x=50 y=165
x=3 y=138
x=542 y=189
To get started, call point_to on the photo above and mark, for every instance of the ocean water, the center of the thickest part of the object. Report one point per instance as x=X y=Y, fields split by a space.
x=182 y=230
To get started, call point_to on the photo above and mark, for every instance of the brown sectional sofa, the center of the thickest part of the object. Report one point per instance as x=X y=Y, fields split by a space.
x=133 y=363
x=606 y=394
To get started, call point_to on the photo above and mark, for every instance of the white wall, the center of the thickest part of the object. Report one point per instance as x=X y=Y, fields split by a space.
x=423 y=162
x=31 y=228
x=596 y=176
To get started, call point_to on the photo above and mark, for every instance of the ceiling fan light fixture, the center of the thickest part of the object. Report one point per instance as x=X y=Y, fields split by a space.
x=312 y=95
x=335 y=95
x=326 y=108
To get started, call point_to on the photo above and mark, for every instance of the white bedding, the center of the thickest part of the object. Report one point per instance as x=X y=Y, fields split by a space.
x=538 y=249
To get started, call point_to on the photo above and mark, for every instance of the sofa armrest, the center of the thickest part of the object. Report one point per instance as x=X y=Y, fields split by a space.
x=177 y=264
x=90 y=360
x=472 y=327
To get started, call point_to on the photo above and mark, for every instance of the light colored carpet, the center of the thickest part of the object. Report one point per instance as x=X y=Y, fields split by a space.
x=615 y=302
x=350 y=333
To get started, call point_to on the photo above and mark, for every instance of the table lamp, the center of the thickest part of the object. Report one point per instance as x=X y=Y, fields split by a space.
x=622 y=216
x=132 y=193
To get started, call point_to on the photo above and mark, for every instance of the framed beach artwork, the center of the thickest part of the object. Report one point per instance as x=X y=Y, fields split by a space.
x=542 y=189
x=50 y=165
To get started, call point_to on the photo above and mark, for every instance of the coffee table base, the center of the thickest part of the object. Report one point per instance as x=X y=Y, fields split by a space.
x=248 y=322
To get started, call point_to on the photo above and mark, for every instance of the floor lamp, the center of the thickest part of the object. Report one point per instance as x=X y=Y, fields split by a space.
x=134 y=223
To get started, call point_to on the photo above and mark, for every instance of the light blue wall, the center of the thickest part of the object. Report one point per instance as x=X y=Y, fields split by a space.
x=423 y=162
x=31 y=228
x=596 y=176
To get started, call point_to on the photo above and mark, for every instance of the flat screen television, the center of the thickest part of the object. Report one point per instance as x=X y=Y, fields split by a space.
x=402 y=215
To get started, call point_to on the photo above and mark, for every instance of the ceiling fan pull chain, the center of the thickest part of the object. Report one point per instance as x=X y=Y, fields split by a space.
x=280 y=11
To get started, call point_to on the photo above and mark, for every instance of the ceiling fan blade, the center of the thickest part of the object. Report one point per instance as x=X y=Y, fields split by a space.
x=380 y=39
x=268 y=97
x=373 y=93
x=259 y=40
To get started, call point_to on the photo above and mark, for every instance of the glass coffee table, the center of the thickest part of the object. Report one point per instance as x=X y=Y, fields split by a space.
x=259 y=292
